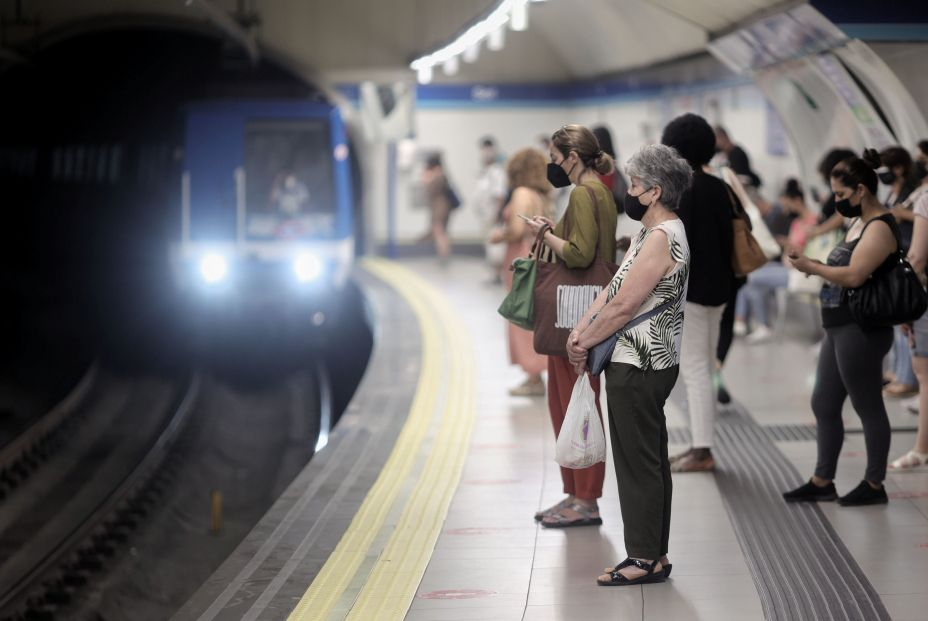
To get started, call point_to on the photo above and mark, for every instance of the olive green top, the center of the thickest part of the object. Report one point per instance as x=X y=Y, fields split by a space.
x=580 y=249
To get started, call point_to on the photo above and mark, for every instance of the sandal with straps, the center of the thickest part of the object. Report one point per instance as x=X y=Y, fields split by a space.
x=586 y=517
x=912 y=459
x=668 y=567
x=552 y=510
x=651 y=574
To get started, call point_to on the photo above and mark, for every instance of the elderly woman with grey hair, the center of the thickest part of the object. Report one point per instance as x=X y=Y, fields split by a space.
x=643 y=370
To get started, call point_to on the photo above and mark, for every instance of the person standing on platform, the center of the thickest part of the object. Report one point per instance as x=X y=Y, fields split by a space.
x=576 y=159
x=615 y=180
x=530 y=198
x=645 y=363
x=850 y=362
x=706 y=211
x=898 y=172
x=918 y=333
x=489 y=198
x=438 y=198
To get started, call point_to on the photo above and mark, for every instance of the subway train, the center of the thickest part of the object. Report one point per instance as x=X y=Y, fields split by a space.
x=266 y=233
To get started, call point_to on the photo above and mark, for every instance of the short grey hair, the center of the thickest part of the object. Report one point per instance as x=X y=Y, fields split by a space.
x=660 y=165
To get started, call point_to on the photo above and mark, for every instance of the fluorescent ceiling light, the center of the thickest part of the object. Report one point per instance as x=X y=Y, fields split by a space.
x=492 y=28
x=519 y=18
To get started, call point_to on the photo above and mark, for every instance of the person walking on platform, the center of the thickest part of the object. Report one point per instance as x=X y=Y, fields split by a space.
x=706 y=211
x=646 y=360
x=530 y=197
x=577 y=159
x=851 y=356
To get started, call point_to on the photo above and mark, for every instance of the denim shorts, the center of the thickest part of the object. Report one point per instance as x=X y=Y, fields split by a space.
x=920 y=328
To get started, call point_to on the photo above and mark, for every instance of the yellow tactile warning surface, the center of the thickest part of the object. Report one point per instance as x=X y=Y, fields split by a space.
x=435 y=438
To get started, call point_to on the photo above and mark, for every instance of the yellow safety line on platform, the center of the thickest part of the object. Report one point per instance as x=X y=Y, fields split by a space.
x=344 y=562
x=392 y=584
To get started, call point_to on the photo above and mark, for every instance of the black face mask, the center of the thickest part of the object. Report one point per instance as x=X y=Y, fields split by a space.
x=921 y=169
x=557 y=176
x=887 y=177
x=634 y=209
x=847 y=210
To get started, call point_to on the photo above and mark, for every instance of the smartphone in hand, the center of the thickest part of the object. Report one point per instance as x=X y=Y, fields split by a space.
x=526 y=218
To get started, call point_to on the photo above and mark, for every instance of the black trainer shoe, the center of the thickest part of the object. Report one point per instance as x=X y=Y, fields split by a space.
x=862 y=495
x=810 y=492
x=722 y=395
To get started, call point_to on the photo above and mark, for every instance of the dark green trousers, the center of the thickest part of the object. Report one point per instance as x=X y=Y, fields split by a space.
x=638 y=430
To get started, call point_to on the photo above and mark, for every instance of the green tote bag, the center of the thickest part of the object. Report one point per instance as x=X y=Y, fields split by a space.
x=519 y=306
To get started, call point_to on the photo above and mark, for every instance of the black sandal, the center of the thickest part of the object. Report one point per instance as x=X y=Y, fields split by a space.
x=668 y=567
x=617 y=579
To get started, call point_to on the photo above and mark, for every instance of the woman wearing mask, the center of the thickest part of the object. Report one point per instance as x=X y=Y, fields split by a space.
x=644 y=365
x=577 y=159
x=850 y=360
x=898 y=172
x=706 y=209
x=530 y=197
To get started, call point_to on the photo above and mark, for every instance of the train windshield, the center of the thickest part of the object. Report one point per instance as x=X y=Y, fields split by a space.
x=289 y=180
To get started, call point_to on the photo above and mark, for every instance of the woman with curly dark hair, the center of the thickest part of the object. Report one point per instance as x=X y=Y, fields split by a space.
x=706 y=211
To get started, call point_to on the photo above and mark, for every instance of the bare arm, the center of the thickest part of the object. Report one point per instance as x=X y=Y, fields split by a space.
x=918 y=250
x=874 y=246
x=833 y=223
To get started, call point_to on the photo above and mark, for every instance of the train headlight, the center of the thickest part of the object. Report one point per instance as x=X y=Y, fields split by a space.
x=307 y=267
x=214 y=268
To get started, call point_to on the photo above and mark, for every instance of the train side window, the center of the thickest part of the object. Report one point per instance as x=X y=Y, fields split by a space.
x=68 y=164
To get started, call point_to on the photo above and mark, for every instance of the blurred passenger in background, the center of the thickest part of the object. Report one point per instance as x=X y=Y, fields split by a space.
x=737 y=159
x=615 y=180
x=851 y=358
x=898 y=172
x=706 y=211
x=490 y=194
x=756 y=297
x=577 y=159
x=530 y=197
x=438 y=198
x=918 y=333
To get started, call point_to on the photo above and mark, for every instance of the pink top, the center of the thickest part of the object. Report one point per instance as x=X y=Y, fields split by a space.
x=799 y=230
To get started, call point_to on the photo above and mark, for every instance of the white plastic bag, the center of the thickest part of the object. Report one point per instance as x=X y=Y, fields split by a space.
x=582 y=441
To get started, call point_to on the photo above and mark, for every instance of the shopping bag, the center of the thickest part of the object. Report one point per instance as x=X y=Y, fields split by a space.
x=582 y=441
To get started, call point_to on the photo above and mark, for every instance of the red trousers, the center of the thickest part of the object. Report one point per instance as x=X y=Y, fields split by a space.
x=584 y=483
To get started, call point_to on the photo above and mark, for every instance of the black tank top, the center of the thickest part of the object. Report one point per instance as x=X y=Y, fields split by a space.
x=834 y=303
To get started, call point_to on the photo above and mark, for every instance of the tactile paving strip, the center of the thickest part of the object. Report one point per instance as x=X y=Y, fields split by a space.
x=800 y=566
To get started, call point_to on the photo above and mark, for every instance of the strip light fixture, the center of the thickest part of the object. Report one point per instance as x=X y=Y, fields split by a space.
x=492 y=27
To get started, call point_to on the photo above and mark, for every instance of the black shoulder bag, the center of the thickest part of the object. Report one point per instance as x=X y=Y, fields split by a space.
x=891 y=295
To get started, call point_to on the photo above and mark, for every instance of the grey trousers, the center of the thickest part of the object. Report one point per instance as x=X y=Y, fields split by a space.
x=638 y=430
x=850 y=363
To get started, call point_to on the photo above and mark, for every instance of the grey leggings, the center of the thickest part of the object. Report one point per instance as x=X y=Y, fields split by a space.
x=851 y=363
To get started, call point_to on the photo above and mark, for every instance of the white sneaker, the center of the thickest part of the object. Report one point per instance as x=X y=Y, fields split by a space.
x=760 y=334
x=911 y=405
x=741 y=328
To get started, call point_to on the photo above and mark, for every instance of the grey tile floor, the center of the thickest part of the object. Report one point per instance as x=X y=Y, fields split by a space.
x=492 y=562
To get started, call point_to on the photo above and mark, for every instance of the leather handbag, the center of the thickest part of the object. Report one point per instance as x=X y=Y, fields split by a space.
x=891 y=296
x=518 y=305
x=746 y=253
x=601 y=354
x=563 y=295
